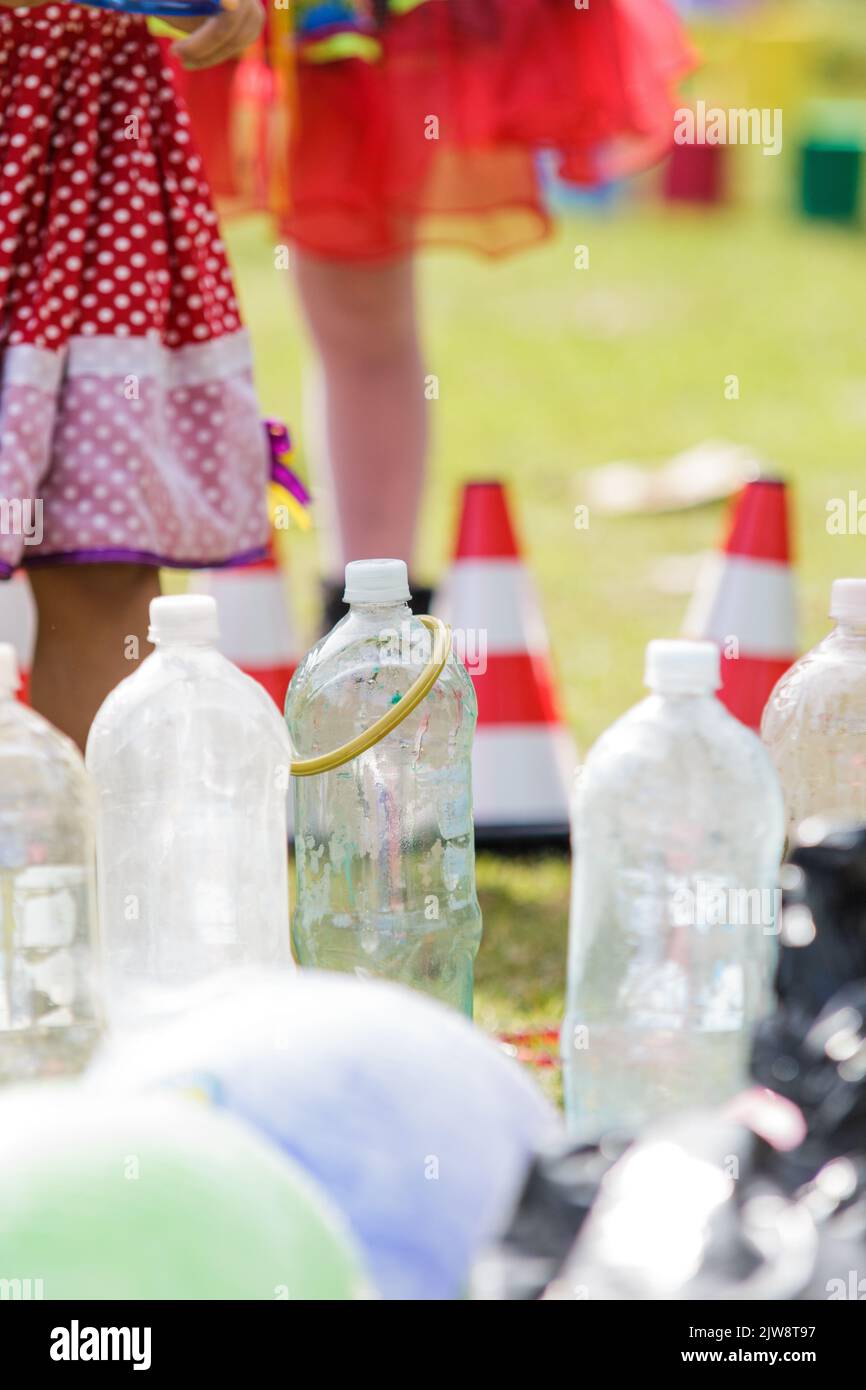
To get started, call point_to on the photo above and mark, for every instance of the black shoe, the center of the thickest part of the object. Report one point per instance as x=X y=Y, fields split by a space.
x=333 y=607
x=422 y=597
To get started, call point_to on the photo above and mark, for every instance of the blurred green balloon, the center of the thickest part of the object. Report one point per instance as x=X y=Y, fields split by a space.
x=157 y=1198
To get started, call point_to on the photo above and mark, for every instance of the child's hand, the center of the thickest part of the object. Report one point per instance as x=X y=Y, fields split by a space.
x=220 y=36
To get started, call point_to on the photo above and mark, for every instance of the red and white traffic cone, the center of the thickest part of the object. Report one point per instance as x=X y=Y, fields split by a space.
x=18 y=625
x=744 y=600
x=523 y=757
x=256 y=627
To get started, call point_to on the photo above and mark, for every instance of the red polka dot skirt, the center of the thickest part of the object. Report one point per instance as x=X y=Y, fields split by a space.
x=129 y=427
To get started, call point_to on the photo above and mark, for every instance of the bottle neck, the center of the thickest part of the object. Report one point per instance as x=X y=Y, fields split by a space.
x=674 y=692
x=176 y=644
x=381 y=614
x=850 y=631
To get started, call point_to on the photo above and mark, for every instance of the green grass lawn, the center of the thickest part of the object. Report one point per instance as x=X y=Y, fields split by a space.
x=546 y=371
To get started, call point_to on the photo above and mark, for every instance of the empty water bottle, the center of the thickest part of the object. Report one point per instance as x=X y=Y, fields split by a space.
x=48 y=938
x=384 y=844
x=678 y=832
x=814 y=724
x=191 y=764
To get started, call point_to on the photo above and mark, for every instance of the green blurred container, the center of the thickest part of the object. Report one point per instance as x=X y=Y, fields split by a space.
x=831 y=180
x=831 y=160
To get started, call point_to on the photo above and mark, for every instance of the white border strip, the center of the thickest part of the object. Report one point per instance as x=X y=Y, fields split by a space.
x=522 y=776
x=114 y=358
x=497 y=598
x=750 y=600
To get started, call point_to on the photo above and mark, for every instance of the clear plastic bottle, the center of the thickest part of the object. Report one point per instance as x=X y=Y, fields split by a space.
x=814 y=724
x=677 y=837
x=191 y=764
x=49 y=1018
x=384 y=845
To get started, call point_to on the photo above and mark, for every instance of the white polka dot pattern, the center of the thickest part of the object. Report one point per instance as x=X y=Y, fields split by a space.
x=126 y=396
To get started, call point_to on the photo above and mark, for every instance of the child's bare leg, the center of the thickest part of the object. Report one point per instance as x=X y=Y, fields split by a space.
x=92 y=633
x=364 y=324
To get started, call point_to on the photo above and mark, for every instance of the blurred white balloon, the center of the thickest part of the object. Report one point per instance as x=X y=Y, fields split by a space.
x=410 y=1118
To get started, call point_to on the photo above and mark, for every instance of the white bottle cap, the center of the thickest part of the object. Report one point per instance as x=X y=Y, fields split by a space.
x=683 y=668
x=183 y=618
x=377 y=581
x=9 y=678
x=848 y=601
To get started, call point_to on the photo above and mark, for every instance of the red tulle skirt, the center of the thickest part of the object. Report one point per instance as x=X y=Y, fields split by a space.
x=438 y=141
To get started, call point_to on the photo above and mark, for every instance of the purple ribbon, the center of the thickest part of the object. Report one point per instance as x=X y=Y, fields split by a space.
x=281 y=448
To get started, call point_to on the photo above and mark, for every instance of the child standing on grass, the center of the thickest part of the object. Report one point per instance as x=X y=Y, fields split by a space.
x=414 y=123
x=129 y=429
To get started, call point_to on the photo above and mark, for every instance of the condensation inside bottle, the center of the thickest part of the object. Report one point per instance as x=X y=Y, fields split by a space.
x=384 y=844
x=678 y=834
x=49 y=1013
x=814 y=728
x=191 y=763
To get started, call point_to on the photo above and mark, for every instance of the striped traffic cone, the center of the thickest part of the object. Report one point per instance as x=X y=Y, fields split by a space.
x=744 y=600
x=256 y=628
x=523 y=757
x=18 y=625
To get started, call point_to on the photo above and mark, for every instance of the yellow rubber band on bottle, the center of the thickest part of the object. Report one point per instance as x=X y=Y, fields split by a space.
x=418 y=690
